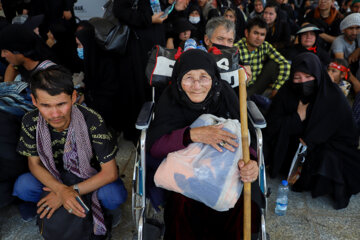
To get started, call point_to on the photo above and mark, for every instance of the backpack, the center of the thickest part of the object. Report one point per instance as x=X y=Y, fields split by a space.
x=65 y=226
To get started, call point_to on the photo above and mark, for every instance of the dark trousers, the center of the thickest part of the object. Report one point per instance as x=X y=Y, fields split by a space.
x=268 y=75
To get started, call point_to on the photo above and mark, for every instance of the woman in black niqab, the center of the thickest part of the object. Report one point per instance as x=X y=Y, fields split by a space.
x=332 y=163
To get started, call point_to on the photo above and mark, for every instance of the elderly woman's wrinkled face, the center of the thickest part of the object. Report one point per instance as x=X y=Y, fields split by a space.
x=196 y=84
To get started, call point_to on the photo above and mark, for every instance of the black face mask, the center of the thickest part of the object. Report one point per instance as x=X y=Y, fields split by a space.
x=306 y=91
x=218 y=46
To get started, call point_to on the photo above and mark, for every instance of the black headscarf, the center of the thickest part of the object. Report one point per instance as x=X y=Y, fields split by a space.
x=175 y=110
x=198 y=33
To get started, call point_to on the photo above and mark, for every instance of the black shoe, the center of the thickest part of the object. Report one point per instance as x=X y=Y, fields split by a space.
x=27 y=211
x=5 y=194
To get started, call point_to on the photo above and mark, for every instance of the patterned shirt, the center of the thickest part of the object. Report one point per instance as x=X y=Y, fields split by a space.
x=256 y=60
x=103 y=146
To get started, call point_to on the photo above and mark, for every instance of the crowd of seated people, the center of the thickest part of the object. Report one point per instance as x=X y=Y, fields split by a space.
x=300 y=58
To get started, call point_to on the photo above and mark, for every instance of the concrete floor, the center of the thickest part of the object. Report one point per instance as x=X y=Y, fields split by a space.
x=306 y=218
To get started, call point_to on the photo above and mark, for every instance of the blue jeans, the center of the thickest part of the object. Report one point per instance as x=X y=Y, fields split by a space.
x=29 y=189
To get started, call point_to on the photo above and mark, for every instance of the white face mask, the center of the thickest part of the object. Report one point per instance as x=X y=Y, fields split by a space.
x=194 y=20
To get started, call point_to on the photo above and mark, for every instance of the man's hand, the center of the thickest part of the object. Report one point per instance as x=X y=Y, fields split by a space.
x=67 y=15
x=248 y=172
x=181 y=5
x=247 y=69
x=354 y=56
x=214 y=136
x=157 y=19
x=49 y=204
x=301 y=110
x=68 y=199
x=273 y=93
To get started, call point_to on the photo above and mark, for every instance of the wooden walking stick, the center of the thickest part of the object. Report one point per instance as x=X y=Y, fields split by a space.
x=246 y=153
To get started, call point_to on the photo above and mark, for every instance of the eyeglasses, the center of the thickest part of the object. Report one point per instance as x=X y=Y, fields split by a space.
x=190 y=81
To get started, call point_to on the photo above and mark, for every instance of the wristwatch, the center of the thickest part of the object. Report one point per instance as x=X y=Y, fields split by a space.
x=76 y=188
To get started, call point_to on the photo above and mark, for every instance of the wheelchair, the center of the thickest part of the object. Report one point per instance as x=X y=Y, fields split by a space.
x=141 y=204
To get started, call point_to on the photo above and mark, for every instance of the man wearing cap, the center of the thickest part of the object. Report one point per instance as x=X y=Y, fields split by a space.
x=355 y=6
x=345 y=44
x=308 y=37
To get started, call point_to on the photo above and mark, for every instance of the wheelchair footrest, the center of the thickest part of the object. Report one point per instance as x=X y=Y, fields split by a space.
x=152 y=230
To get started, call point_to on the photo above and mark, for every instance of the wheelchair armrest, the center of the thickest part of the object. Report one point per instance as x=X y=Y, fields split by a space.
x=255 y=116
x=144 y=117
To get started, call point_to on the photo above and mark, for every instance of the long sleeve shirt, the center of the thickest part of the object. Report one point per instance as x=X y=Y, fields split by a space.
x=256 y=60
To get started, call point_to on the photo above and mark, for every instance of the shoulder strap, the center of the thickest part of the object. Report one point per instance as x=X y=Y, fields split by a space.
x=135 y=5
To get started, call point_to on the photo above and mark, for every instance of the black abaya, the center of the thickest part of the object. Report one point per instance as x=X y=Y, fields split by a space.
x=103 y=80
x=143 y=37
x=333 y=162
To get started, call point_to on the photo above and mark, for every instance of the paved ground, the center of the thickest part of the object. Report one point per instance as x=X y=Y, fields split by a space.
x=306 y=218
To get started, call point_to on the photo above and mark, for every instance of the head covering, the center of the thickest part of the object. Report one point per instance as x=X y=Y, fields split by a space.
x=329 y=103
x=327 y=116
x=182 y=25
x=308 y=28
x=195 y=7
x=175 y=110
x=351 y=20
x=18 y=39
x=34 y=21
x=355 y=1
x=341 y=68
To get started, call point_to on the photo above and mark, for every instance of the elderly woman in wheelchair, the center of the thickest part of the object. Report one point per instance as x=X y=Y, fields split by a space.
x=197 y=89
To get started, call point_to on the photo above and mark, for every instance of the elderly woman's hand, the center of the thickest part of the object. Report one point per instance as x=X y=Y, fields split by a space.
x=248 y=172
x=215 y=136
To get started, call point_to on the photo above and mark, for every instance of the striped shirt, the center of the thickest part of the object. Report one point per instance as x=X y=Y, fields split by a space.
x=256 y=60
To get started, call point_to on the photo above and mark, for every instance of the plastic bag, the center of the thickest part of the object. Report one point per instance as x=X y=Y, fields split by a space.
x=201 y=172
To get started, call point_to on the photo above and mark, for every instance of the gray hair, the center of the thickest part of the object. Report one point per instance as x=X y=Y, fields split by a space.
x=215 y=22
